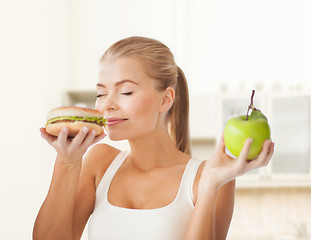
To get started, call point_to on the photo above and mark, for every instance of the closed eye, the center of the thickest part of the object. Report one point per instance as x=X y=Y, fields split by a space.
x=127 y=93
x=101 y=95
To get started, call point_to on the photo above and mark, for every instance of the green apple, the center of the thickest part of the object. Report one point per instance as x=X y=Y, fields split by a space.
x=254 y=126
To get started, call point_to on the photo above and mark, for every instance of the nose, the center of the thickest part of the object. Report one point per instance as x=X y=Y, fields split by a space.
x=107 y=103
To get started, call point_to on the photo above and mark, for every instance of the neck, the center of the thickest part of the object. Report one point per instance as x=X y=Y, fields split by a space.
x=155 y=149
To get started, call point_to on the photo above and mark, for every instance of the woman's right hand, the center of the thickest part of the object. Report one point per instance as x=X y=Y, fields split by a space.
x=71 y=150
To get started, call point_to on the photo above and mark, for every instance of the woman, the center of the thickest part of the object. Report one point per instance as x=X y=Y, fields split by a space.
x=156 y=190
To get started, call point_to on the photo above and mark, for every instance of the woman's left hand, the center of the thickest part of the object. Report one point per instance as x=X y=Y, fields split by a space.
x=221 y=168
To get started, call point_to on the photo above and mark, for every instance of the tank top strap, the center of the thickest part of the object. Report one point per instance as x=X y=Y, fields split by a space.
x=116 y=164
x=103 y=186
x=190 y=173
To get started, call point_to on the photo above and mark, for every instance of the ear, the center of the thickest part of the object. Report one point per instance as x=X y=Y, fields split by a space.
x=167 y=99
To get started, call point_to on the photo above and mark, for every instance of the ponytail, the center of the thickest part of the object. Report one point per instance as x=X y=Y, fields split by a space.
x=179 y=115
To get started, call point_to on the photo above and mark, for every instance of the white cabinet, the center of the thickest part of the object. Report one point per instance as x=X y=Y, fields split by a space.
x=203 y=116
x=83 y=98
x=290 y=122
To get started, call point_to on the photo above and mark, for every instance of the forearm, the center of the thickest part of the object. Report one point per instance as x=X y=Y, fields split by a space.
x=202 y=222
x=55 y=218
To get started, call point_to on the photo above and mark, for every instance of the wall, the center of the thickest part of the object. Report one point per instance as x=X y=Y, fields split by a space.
x=219 y=44
x=101 y=23
x=35 y=69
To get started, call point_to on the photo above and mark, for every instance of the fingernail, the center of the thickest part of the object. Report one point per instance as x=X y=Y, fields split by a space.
x=85 y=129
x=103 y=136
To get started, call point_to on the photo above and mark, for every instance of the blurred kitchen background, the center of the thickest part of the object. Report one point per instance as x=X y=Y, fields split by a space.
x=49 y=57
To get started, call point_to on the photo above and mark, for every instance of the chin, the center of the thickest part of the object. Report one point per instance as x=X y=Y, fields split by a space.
x=119 y=135
x=116 y=137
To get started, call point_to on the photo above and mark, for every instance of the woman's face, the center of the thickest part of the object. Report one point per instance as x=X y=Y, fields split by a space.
x=128 y=98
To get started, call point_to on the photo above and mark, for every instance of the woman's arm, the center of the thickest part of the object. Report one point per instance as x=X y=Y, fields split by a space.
x=224 y=209
x=55 y=218
x=223 y=205
x=214 y=186
x=202 y=224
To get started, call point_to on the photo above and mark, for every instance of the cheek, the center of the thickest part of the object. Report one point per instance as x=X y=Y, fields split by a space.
x=143 y=114
x=145 y=109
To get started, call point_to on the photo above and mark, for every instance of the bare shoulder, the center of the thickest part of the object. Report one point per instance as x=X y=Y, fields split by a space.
x=101 y=150
x=98 y=158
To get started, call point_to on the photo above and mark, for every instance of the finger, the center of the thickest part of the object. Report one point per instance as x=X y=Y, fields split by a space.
x=244 y=152
x=63 y=135
x=270 y=153
x=49 y=138
x=271 y=148
x=92 y=139
x=263 y=157
x=88 y=141
x=99 y=137
x=221 y=145
x=265 y=151
x=44 y=134
x=79 y=138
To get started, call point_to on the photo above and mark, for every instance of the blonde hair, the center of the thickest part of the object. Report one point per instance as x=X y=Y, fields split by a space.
x=160 y=65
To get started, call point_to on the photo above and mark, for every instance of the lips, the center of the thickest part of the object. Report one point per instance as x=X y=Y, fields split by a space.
x=114 y=121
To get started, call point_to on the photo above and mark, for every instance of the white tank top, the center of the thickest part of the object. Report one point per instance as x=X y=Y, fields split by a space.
x=109 y=222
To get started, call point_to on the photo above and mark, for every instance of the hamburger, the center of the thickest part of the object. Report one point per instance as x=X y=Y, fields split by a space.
x=74 y=118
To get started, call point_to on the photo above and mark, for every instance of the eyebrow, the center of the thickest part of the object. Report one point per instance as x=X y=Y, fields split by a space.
x=117 y=83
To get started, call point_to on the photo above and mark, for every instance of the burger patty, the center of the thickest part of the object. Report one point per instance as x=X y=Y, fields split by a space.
x=98 y=121
x=67 y=120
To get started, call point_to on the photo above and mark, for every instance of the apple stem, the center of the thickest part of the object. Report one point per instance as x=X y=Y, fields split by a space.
x=251 y=106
